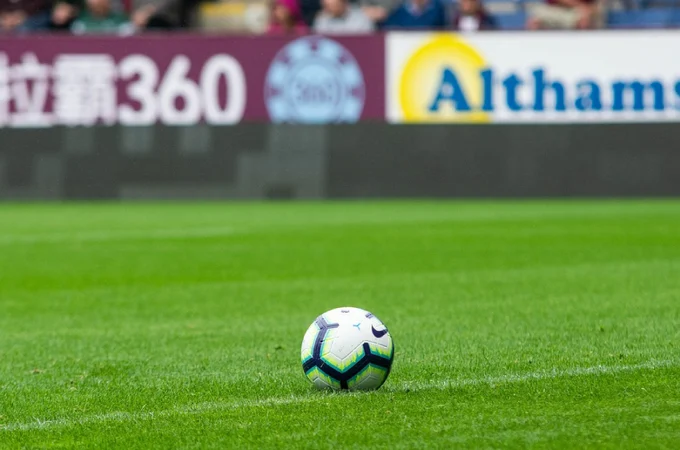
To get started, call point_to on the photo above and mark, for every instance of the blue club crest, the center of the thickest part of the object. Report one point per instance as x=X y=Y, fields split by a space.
x=314 y=80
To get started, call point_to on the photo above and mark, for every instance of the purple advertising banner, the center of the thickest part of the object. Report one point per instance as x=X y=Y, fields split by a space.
x=187 y=79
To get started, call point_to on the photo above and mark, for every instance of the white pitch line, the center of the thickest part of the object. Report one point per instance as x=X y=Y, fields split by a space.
x=540 y=375
x=199 y=408
x=111 y=235
x=207 y=407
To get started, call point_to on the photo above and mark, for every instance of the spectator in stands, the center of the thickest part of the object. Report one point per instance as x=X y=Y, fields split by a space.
x=99 y=17
x=339 y=17
x=286 y=18
x=567 y=15
x=25 y=15
x=417 y=14
x=160 y=14
x=64 y=13
x=310 y=9
x=472 y=16
x=378 y=10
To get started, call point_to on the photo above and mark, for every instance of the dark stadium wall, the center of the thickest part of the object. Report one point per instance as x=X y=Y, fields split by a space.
x=505 y=161
x=343 y=161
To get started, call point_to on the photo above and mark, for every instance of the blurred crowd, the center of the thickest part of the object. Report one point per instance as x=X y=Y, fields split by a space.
x=94 y=16
x=287 y=16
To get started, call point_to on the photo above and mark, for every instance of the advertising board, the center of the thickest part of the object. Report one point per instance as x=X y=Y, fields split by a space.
x=631 y=76
x=185 y=80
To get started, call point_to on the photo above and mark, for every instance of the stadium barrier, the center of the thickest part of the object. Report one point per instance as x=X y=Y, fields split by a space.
x=395 y=115
x=340 y=161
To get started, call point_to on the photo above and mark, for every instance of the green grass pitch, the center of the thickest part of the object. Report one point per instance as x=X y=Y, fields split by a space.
x=516 y=324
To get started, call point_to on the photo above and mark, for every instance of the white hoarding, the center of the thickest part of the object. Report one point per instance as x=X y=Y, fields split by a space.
x=557 y=77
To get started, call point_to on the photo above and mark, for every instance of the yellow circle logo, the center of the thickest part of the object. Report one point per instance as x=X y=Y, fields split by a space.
x=441 y=82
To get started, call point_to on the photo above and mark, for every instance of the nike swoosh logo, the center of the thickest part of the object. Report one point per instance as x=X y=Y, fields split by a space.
x=377 y=333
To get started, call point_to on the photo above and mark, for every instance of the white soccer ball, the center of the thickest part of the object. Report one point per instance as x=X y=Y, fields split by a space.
x=347 y=348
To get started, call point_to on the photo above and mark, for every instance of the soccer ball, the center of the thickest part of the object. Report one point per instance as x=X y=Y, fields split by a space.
x=347 y=348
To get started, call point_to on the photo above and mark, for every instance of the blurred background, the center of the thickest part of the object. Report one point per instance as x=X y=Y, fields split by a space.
x=115 y=99
x=300 y=16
